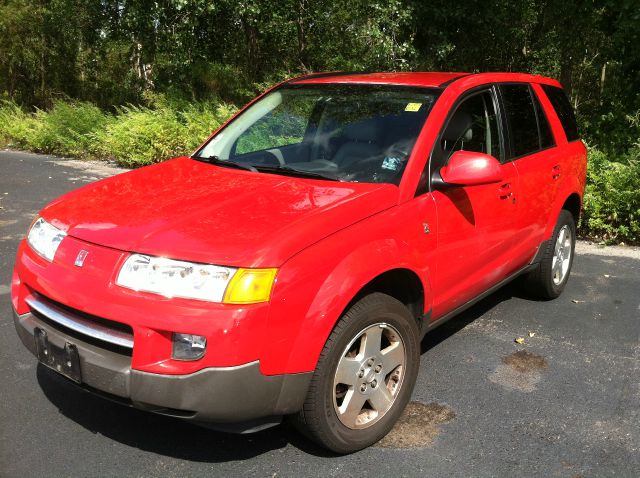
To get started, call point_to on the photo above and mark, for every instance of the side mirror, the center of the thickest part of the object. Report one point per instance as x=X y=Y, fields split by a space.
x=469 y=168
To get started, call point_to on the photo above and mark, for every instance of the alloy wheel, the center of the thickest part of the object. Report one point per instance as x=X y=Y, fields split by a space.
x=562 y=255
x=369 y=376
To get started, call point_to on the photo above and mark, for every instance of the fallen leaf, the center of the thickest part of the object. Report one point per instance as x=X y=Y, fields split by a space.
x=519 y=340
x=531 y=334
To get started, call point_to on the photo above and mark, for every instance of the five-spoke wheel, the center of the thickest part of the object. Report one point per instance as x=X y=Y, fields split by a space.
x=369 y=376
x=563 y=251
x=550 y=275
x=364 y=377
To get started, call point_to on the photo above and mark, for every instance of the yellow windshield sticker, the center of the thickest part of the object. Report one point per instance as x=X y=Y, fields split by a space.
x=413 y=106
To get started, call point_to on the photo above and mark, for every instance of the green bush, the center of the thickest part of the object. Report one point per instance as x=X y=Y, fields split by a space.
x=141 y=135
x=64 y=130
x=67 y=128
x=612 y=198
x=17 y=128
x=201 y=119
x=134 y=136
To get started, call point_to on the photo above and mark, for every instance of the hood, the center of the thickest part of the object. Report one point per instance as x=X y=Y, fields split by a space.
x=185 y=209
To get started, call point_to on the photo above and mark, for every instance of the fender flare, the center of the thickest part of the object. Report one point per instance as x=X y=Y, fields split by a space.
x=326 y=298
x=569 y=189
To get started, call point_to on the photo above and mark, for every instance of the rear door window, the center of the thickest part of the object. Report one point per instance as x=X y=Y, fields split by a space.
x=561 y=104
x=521 y=118
x=546 y=138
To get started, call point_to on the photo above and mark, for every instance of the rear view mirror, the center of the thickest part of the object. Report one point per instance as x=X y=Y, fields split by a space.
x=470 y=168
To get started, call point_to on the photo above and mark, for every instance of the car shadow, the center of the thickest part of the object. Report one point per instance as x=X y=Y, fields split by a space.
x=180 y=439
x=460 y=321
x=161 y=434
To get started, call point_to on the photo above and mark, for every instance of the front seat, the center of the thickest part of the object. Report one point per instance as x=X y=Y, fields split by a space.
x=459 y=130
x=360 y=144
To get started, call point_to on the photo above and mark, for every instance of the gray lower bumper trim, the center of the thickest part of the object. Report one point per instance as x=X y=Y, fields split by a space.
x=216 y=394
x=222 y=395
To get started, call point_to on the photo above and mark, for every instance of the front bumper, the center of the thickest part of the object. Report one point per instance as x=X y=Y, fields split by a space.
x=213 y=395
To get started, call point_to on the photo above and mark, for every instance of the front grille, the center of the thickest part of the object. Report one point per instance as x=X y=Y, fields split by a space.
x=89 y=328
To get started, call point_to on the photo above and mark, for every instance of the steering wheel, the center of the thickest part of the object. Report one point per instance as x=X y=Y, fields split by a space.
x=275 y=154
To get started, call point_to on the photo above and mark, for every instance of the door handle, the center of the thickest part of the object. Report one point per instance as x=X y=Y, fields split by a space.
x=505 y=191
x=555 y=172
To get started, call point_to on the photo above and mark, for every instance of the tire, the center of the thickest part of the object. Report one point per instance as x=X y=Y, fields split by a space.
x=353 y=370
x=549 y=278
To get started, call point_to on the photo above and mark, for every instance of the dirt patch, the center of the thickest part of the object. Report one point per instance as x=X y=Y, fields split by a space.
x=524 y=361
x=520 y=371
x=418 y=426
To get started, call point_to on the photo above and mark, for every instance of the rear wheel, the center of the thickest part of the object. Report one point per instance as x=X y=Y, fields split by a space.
x=548 y=279
x=364 y=377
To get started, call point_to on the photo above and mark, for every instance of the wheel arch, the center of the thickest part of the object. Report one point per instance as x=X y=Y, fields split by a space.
x=300 y=326
x=402 y=284
x=572 y=202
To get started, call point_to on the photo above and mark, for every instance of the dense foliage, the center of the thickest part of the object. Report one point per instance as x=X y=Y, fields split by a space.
x=140 y=80
x=132 y=136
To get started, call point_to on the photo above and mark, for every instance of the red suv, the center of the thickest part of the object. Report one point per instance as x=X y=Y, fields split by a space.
x=293 y=263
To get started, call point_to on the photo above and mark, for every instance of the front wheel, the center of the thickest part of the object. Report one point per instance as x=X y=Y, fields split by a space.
x=364 y=377
x=548 y=279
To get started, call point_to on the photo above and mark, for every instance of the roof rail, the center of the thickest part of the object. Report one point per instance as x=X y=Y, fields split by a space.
x=326 y=74
x=448 y=82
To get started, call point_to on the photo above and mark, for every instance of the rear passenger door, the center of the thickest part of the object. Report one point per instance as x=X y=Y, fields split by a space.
x=530 y=147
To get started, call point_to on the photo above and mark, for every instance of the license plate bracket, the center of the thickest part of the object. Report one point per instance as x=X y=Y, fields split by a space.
x=65 y=360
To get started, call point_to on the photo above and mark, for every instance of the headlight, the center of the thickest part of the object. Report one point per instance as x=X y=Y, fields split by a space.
x=45 y=238
x=172 y=278
x=175 y=278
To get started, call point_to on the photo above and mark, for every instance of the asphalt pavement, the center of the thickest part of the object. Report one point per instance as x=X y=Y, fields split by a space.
x=565 y=403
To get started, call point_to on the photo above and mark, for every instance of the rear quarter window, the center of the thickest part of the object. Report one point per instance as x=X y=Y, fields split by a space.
x=561 y=104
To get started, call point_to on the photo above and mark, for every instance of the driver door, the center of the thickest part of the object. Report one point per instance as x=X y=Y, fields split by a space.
x=476 y=224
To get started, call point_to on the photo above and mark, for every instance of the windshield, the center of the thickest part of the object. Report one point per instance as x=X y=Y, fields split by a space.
x=359 y=133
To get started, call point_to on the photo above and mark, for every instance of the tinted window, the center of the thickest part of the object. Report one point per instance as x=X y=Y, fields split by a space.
x=546 y=138
x=473 y=127
x=521 y=117
x=564 y=110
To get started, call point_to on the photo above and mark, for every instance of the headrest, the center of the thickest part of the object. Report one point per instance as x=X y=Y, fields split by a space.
x=459 y=127
x=362 y=131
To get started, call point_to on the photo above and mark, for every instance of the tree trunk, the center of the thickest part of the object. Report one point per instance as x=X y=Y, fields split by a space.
x=251 y=35
x=603 y=75
x=42 y=71
x=12 y=80
x=566 y=71
x=302 y=38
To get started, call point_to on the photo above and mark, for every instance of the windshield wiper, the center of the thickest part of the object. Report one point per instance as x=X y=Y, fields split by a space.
x=285 y=170
x=225 y=163
x=289 y=171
